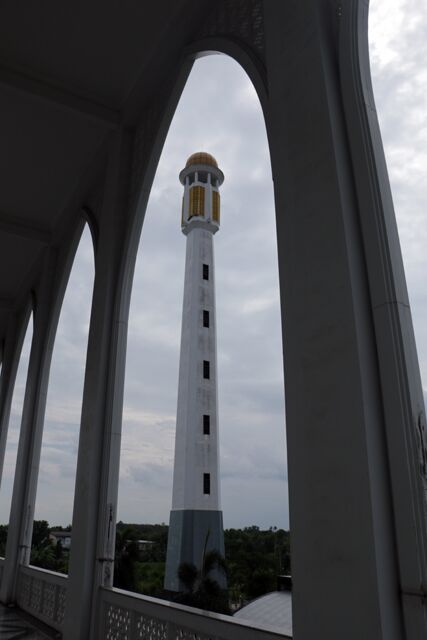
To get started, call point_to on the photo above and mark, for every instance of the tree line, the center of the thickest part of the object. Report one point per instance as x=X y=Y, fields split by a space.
x=253 y=559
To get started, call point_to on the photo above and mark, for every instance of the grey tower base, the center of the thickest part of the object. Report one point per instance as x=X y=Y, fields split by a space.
x=187 y=535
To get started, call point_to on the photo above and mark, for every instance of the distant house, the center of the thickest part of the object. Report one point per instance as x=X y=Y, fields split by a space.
x=64 y=537
x=143 y=545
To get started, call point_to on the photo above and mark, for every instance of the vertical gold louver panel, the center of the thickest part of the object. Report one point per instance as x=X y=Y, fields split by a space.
x=215 y=206
x=197 y=201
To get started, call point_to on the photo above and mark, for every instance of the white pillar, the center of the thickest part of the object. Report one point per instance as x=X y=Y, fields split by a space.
x=349 y=362
x=197 y=452
x=10 y=362
x=400 y=382
x=95 y=502
x=18 y=547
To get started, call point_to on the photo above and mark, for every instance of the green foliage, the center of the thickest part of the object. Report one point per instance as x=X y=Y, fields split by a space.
x=213 y=560
x=255 y=558
x=157 y=533
x=40 y=533
x=150 y=578
x=188 y=574
x=140 y=569
x=44 y=553
x=200 y=588
x=125 y=558
x=44 y=557
x=209 y=596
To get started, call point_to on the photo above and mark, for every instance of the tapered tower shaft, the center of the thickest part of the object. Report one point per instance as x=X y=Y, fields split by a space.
x=196 y=517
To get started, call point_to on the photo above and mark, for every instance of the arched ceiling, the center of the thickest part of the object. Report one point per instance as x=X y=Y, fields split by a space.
x=70 y=72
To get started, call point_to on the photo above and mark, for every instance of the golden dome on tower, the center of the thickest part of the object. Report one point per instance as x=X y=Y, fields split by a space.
x=201 y=157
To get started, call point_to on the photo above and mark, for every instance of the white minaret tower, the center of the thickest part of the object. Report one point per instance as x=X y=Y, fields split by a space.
x=196 y=515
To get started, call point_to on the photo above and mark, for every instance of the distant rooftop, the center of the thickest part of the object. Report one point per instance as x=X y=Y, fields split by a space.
x=274 y=610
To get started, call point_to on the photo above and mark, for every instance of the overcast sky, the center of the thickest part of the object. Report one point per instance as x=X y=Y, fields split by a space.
x=220 y=113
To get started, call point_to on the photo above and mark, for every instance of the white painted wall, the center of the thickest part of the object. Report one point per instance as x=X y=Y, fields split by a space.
x=195 y=453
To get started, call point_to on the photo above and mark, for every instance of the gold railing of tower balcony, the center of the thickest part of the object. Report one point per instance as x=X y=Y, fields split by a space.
x=197 y=201
x=215 y=206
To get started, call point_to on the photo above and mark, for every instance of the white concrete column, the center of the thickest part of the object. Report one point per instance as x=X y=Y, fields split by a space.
x=401 y=390
x=346 y=575
x=18 y=547
x=194 y=451
x=95 y=503
x=11 y=356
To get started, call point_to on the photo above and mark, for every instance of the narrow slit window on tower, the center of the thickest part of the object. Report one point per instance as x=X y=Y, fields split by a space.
x=206 y=483
x=206 y=425
x=206 y=369
x=205 y=272
x=205 y=318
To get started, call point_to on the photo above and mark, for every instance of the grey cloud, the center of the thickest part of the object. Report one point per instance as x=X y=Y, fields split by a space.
x=150 y=475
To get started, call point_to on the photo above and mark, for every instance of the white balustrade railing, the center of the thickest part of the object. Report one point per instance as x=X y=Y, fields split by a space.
x=128 y=616
x=42 y=594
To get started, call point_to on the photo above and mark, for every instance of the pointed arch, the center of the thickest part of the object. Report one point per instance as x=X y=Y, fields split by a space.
x=64 y=396
x=161 y=322
x=12 y=407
